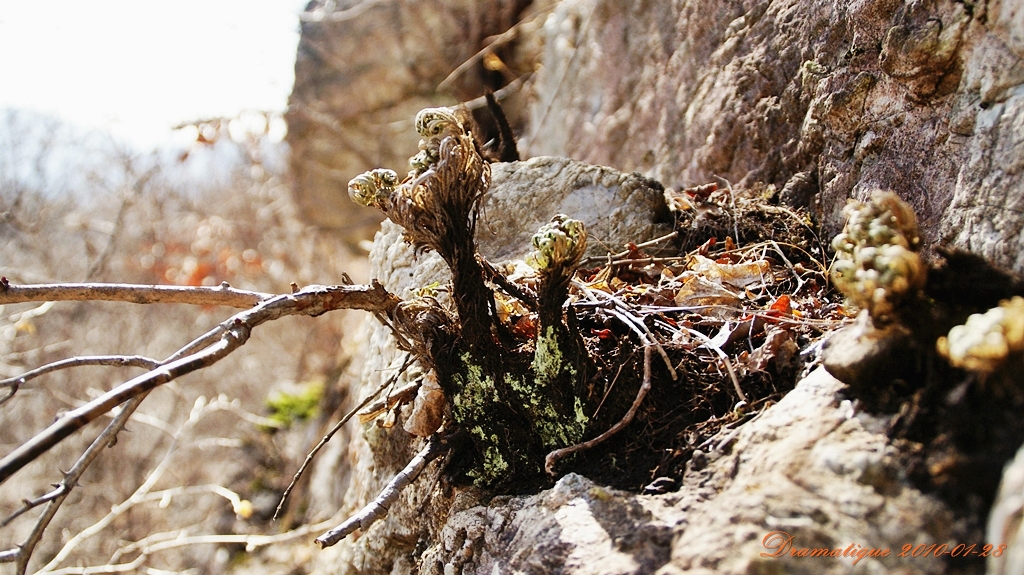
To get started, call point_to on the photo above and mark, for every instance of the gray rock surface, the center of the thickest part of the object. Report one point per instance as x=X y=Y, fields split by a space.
x=811 y=467
x=615 y=207
x=861 y=354
x=922 y=97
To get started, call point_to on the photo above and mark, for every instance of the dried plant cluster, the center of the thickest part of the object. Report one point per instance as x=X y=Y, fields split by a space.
x=533 y=359
x=879 y=269
x=513 y=406
x=986 y=340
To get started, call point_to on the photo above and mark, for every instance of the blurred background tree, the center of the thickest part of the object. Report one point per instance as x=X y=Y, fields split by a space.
x=76 y=206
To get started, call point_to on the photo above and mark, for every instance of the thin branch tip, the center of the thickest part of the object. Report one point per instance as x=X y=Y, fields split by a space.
x=378 y=508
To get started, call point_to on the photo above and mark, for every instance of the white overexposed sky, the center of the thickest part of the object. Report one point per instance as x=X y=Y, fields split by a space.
x=138 y=67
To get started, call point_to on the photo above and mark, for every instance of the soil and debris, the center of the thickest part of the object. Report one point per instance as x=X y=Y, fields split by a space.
x=735 y=324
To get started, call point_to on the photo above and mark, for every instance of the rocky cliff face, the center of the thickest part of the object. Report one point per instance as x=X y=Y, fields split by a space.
x=362 y=72
x=825 y=100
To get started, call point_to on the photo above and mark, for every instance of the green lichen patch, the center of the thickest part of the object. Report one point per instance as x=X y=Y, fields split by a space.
x=289 y=408
x=553 y=368
x=511 y=416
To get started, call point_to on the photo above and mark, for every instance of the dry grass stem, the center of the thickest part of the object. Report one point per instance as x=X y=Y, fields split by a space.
x=341 y=422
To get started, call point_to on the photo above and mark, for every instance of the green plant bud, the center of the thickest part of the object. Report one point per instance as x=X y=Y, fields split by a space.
x=421 y=161
x=373 y=188
x=560 y=242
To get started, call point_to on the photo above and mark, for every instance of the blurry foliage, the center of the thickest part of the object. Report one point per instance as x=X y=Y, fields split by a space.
x=76 y=206
x=288 y=408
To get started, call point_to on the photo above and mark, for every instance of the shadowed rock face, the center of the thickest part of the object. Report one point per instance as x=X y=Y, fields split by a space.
x=362 y=71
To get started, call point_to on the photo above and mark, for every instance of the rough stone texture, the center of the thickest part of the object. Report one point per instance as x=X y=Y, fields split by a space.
x=810 y=466
x=920 y=97
x=362 y=72
x=825 y=99
x=575 y=527
x=365 y=457
x=863 y=354
x=615 y=207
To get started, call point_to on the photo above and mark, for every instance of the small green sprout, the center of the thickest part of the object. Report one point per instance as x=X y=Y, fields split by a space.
x=558 y=243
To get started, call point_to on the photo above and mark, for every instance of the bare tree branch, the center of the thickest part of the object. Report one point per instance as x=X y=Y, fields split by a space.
x=378 y=508
x=70 y=480
x=108 y=360
x=30 y=504
x=13 y=389
x=78 y=418
x=142 y=494
x=199 y=343
x=223 y=294
x=311 y=301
